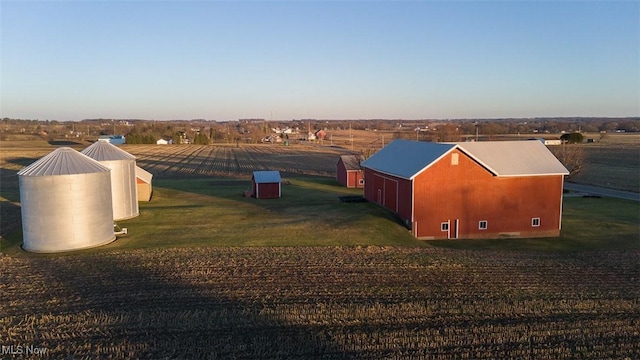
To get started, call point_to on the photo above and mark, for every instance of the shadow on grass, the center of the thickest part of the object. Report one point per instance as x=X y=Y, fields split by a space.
x=65 y=143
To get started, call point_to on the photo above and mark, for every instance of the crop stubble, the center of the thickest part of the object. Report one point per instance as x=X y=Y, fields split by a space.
x=235 y=161
x=371 y=302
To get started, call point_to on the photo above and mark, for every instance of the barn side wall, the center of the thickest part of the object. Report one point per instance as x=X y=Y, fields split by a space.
x=341 y=173
x=144 y=190
x=470 y=194
x=353 y=178
x=388 y=191
x=267 y=190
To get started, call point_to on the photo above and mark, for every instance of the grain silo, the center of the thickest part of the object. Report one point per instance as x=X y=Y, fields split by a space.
x=65 y=203
x=123 y=177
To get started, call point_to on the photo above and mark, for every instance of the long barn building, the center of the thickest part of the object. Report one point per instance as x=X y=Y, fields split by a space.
x=469 y=190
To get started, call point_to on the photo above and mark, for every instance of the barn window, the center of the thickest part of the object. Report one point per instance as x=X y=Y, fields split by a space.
x=444 y=226
x=454 y=159
x=482 y=225
x=535 y=222
x=360 y=181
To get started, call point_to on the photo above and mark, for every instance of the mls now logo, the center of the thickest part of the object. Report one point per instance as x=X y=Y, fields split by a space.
x=23 y=350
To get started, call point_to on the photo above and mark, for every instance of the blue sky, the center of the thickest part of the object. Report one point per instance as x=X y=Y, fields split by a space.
x=71 y=60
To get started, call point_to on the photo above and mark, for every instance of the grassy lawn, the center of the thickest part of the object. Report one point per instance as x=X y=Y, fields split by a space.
x=213 y=212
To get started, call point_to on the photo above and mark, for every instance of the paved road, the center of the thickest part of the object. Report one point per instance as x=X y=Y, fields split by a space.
x=600 y=191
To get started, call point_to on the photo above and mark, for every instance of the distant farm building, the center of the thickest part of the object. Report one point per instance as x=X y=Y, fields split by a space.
x=143 y=184
x=113 y=139
x=469 y=190
x=65 y=203
x=123 y=177
x=349 y=172
x=320 y=134
x=164 y=142
x=266 y=184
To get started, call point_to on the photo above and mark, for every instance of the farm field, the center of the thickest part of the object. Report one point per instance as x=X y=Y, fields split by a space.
x=207 y=273
x=324 y=303
x=613 y=162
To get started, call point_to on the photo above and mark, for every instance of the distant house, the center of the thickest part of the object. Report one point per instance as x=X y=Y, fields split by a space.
x=469 y=190
x=164 y=142
x=348 y=171
x=320 y=134
x=266 y=184
x=113 y=139
x=143 y=184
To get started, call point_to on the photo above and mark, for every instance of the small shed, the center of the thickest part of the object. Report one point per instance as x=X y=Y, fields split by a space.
x=348 y=171
x=143 y=183
x=266 y=184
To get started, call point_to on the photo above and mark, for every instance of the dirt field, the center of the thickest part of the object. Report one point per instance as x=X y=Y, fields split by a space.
x=323 y=303
x=614 y=163
x=236 y=161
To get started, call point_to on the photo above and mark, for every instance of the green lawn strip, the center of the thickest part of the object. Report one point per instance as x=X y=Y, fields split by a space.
x=212 y=212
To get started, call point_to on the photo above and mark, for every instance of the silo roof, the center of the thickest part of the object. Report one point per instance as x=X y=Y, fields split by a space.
x=63 y=161
x=104 y=151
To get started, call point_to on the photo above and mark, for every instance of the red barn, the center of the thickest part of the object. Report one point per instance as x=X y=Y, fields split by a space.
x=266 y=184
x=469 y=190
x=348 y=171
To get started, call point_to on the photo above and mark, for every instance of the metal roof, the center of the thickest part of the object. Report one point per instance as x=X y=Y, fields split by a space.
x=143 y=175
x=514 y=158
x=262 y=177
x=350 y=162
x=63 y=161
x=405 y=158
x=105 y=151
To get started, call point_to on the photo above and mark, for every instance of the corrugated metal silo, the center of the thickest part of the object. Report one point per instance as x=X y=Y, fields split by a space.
x=123 y=177
x=65 y=202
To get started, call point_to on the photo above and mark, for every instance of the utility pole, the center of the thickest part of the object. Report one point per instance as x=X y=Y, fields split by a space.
x=350 y=136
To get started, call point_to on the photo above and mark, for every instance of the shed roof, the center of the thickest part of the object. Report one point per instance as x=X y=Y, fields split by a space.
x=105 y=151
x=406 y=159
x=143 y=175
x=63 y=161
x=263 y=177
x=350 y=162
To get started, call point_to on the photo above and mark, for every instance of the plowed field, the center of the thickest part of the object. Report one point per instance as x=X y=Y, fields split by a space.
x=216 y=160
x=323 y=303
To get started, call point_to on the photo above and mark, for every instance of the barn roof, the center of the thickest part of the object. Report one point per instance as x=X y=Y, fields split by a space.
x=265 y=177
x=350 y=162
x=406 y=159
x=143 y=175
x=63 y=161
x=105 y=151
x=514 y=158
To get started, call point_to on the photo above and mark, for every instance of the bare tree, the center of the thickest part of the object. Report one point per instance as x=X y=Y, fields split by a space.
x=572 y=156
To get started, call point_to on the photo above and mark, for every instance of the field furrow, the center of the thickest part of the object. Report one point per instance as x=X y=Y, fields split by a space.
x=371 y=302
